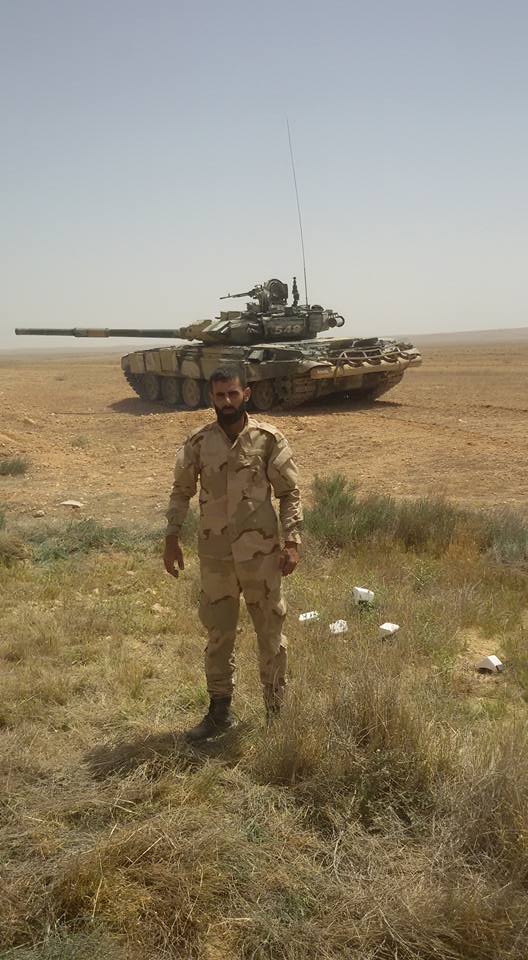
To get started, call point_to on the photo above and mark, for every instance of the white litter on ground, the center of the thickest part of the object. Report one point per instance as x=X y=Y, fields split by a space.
x=388 y=629
x=362 y=595
x=490 y=664
x=310 y=615
x=339 y=626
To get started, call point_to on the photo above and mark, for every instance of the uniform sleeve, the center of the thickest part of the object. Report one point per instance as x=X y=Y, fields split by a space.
x=283 y=476
x=186 y=472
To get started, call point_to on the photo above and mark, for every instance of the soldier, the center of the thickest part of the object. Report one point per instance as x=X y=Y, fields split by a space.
x=239 y=461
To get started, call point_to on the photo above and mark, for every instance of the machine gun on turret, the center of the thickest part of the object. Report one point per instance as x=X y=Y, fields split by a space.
x=273 y=293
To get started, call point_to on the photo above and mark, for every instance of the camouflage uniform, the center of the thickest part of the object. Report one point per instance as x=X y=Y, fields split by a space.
x=239 y=541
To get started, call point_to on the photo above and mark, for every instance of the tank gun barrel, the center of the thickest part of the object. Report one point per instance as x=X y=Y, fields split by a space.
x=100 y=332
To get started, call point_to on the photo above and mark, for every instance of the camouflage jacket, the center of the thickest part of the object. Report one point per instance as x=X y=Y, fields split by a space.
x=236 y=479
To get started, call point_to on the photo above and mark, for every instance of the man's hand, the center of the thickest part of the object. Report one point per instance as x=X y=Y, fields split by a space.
x=289 y=558
x=172 y=554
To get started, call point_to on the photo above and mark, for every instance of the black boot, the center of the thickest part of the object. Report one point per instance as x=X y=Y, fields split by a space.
x=217 y=720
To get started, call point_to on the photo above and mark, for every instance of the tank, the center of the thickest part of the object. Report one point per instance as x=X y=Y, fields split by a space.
x=285 y=360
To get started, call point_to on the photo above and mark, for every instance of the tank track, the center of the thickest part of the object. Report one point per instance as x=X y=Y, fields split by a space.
x=294 y=393
x=134 y=380
x=285 y=374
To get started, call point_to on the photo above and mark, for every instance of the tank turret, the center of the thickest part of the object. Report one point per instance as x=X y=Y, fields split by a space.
x=267 y=318
x=275 y=342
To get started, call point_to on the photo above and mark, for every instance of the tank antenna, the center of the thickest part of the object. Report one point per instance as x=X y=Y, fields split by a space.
x=298 y=210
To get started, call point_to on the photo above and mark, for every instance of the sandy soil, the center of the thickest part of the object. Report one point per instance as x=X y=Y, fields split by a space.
x=457 y=426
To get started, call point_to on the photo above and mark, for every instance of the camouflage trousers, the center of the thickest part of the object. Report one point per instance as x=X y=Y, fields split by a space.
x=259 y=580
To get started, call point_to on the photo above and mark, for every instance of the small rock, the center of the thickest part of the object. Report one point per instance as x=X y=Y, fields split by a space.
x=74 y=504
x=389 y=629
x=133 y=446
x=39 y=513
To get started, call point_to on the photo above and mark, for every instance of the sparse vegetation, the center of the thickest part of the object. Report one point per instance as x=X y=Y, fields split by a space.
x=14 y=467
x=386 y=816
x=61 y=541
x=82 y=536
x=80 y=441
x=340 y=518
x=12 y=548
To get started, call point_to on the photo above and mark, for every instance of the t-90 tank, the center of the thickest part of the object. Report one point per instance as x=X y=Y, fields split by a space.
x=277 y=344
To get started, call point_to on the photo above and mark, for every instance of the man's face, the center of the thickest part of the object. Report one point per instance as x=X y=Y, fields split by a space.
x=229 y=400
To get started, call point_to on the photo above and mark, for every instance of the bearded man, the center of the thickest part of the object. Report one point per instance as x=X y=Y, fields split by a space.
x=239 y=462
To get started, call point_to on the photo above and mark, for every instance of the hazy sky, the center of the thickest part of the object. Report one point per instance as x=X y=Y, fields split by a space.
x=146 y=171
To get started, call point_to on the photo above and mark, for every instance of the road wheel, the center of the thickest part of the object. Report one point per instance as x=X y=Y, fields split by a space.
x=171 y=390
x=150 y=387
x=191 y=393
x=262 y=395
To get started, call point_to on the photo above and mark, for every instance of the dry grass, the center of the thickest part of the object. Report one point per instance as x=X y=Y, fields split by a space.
x=12 y=548
x=340 y=518
x=385 y=816
x=14 y=467
x=81 y=441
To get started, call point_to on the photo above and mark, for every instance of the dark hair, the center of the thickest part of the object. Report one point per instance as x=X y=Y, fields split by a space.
x=231 y=371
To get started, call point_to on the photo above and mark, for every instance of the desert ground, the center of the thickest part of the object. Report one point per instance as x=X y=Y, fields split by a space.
x=457 y=427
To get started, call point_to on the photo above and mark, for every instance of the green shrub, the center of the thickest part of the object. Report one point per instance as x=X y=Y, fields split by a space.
x=13 y=467
x=340 y=517
x=427 y=523
x=331 y=519
x=83 y=536
x=504 y=534
x=11 y=548
x=80 y=441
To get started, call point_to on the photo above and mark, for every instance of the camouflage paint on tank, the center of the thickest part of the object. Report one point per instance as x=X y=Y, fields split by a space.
x=298 y=371
x=276 y=343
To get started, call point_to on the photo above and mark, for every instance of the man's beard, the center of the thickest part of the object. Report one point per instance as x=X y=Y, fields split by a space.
x=231 y=414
